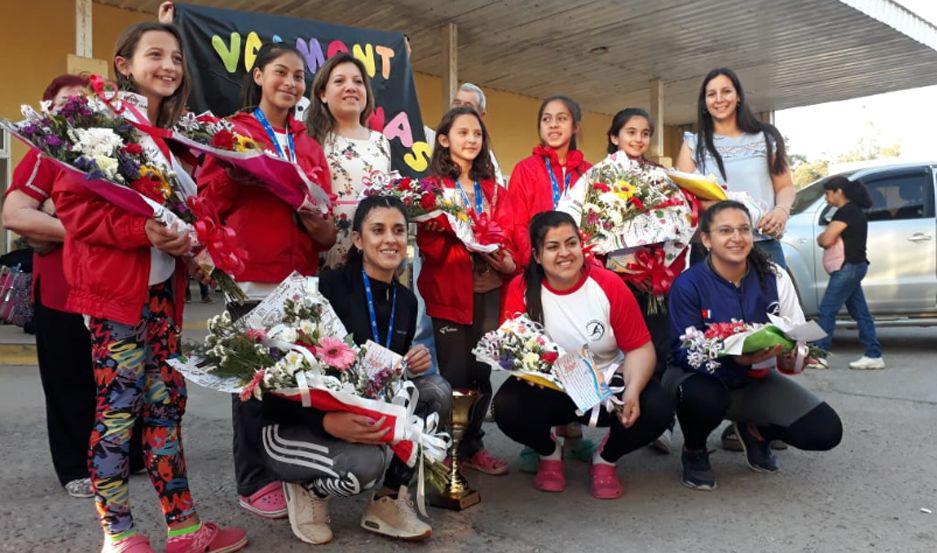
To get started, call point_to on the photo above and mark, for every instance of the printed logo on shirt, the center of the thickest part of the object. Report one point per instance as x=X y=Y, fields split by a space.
x=447 y=329
x=706 y=313
x=595 y=330
x=774 y=308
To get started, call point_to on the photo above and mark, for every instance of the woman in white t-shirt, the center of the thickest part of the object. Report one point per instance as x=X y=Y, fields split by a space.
x=342 y=102
x=580 y=304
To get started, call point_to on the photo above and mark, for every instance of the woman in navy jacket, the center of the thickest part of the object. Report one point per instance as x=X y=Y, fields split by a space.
x=738 y=282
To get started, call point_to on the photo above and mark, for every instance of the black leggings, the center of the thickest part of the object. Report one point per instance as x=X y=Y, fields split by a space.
x=457 y=364
x=526 y=414
x=703 y=401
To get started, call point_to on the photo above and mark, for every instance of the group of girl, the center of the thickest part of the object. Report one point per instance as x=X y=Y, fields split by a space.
x=126 y=274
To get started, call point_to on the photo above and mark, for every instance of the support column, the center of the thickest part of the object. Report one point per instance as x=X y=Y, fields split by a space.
x=766 y=116
x=656 y=149
x=83 y=36
x=450 y=64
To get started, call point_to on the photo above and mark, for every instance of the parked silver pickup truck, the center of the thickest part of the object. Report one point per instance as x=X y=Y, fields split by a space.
x=901 y=285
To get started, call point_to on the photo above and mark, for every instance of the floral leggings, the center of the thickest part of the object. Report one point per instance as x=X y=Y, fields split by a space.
x=133 y=380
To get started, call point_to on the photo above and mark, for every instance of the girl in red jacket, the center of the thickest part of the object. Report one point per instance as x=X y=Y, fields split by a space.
x=462 y=289
x=278 y=240
x=126 y=277
x=538 y=181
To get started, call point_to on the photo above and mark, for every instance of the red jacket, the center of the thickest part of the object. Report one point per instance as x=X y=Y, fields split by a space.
x=446 y=276
x=530 y=192
x=106 y=256
x=267 y=227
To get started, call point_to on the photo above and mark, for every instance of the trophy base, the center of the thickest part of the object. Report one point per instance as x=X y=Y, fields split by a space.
x=458 y=502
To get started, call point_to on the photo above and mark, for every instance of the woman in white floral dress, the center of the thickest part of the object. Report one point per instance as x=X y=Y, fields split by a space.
x=342 y=101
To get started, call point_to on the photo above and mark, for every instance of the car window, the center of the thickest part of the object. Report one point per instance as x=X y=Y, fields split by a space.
x=901 y=196
x=806 y=196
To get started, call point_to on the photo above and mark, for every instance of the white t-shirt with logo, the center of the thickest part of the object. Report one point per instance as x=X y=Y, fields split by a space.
x=600 y=312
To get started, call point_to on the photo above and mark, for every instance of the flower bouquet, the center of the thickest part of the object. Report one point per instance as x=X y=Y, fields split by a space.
x=521 y=347
x=207 y=134
x=704 y=348
x=294 y=346
x=621 y=204
x=425 y=199
x=127 y=164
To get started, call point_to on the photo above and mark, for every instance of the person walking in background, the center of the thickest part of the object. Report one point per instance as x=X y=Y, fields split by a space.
x=470 y=95
x=850 y=225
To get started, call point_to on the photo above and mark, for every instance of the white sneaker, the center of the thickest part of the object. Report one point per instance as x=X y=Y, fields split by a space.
x=664 y=442
x=308 y=514
x=868 y=363
x=80 y=487
x=395 y=517
x=819 y=364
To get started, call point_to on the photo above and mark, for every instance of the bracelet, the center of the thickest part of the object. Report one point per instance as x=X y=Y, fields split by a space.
x=784 y=207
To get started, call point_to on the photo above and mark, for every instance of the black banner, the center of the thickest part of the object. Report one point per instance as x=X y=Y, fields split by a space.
x=220 y=47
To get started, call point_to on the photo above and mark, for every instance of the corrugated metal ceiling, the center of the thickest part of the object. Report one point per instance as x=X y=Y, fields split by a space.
x=788 y=53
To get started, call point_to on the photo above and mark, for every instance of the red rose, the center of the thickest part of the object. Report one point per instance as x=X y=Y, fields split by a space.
x=637 y=203
x=550 y=356
x=601 y=187
x=428 y=202
x=223 y=139
x=149 y=187
x=404 y=185
x=133 y=149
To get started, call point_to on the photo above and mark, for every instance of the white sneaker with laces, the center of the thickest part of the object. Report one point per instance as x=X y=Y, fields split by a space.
x=80 y=487
x=308 y=514
x=664 y=442
x=868 y=363
x=395 y=518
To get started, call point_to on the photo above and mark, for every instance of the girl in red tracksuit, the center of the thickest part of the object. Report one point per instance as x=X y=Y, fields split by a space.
x=538 y=181
x=126 y=277
x=462 y=289
x=278 y=240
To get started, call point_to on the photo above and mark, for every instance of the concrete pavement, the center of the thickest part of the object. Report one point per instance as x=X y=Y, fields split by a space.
x=866 y=495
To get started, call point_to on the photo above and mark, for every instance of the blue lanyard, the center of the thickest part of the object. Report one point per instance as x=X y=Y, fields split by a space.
x=556 y=185
x=393 y=311
x=479 y=199
x=259 y=115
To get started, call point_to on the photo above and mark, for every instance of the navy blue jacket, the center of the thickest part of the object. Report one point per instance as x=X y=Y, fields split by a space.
x=700 y=297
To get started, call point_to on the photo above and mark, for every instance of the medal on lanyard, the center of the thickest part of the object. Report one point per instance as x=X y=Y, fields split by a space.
x=259 y=115
x=556 y=185
x=375 y=335
x=479 y=199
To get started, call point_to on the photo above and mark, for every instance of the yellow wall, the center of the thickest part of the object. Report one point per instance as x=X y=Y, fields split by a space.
x=37 y=44
x=512 y=122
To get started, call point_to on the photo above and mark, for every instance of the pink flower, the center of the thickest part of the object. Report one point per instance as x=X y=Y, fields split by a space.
x=256 y=335
x=253 y=385
x=335 y=353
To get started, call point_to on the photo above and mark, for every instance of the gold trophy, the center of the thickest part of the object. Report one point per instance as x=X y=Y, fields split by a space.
x=457 y=495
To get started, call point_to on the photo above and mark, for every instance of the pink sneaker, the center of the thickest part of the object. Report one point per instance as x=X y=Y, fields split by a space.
x=550 y=477
x=605 y=484
x=137 y=543
x=485 y=462
x=210 y=538
x=267 y=502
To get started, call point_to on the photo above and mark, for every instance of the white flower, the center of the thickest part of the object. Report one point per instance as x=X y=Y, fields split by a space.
x=286 y=334
x=95 y=142
x=293 y=361
x=307 y=327
x=530 y=360
x=108 y=166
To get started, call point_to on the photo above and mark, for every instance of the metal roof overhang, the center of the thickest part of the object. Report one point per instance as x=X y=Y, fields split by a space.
x=787 y=53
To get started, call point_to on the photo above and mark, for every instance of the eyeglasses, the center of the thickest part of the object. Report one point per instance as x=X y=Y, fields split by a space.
x=727 y=232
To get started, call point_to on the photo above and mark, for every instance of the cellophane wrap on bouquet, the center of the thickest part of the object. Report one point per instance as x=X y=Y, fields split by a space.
x=621 y=204
x=103 y=139
x=425 y=199
x=703 y=187
x=705 y=347
x=293 y=345
x=219 y=138
x=521 y=347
